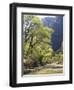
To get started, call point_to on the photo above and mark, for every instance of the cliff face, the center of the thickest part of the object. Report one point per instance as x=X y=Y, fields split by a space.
x=60 y=48
x=57 y=24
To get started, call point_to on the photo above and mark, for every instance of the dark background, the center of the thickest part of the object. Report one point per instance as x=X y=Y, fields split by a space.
x=57 y=24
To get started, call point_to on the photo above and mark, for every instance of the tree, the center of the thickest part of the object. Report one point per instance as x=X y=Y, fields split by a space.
x=37 y=41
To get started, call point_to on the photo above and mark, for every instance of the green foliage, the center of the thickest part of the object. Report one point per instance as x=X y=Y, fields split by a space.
x=58 y=58
x=27 y=17
x=48 y=56
x=36 y=21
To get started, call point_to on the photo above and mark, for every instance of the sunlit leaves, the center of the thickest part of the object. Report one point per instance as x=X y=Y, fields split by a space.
x=36 y=20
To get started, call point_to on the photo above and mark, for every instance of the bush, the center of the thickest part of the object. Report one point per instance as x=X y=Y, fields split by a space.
x=58 y=58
